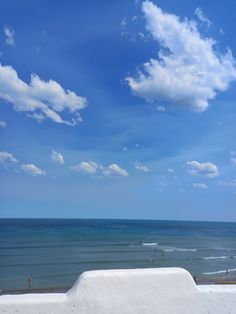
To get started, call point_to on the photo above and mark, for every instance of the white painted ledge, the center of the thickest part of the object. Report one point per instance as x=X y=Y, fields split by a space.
x=136 y=291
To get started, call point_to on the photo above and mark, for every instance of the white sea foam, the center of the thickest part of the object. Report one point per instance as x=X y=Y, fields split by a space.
x=225 y=271
x=175 y=249
x=150 y=244
x=218 y=257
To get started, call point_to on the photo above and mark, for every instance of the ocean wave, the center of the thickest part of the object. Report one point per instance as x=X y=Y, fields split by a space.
x=175 y=249
x=224 y=249
x=218 y=257
x=149 y=243
x=225 y=271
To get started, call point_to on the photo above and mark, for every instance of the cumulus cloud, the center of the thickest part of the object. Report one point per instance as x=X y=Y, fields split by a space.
x=7 y=159
x=57 y=158
x=9 y=33
x=139 y=166
x=188 y=70
x=3 y=124
x=115 y=170
x=205 y=169
x=33 y=170
x=170 y=170
x=86 y=167
x=200 y=186
x=200 y=14
x=91 y=167
x=40 y=99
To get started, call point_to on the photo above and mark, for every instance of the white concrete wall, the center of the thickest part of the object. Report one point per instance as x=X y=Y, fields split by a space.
x=144 y=291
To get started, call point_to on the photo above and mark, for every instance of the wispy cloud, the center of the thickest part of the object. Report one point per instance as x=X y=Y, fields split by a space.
x=33 y=170
x=200 y=14
x=200 y=186
x=188 y=70
x=9 y=33
x=231 y=184
x=161 y=108
x=57 y=158
x=7 y=159
x=233 y=160
x=3 y=124
x=139 y=166
x=205 y=169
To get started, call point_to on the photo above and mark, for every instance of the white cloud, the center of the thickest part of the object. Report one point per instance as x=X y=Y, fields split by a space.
x=170 y=170
x=57 y=158
x=115 y=170
x=205 y=169
x=123 y=23
x=139 y=166
x=231 y=184
x=86 y=167
x=233 y=160
x=222 y=31
x=9 y=33
x=142 y=35
x=200 y=14
x=3 y=124
x=200 y=186
x=91 y=167
x=32 y=169
x=40 y=99
x=188 y=70
x=7 y=159
x=37 y=116
x=161 y=108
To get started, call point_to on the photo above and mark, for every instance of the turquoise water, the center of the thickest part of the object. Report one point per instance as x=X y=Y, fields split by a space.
x=55 y=251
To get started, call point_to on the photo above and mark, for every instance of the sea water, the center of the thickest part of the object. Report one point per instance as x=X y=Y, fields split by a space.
x=55 y=251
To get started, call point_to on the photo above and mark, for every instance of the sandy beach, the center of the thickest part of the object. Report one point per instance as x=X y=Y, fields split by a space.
x=146 y=291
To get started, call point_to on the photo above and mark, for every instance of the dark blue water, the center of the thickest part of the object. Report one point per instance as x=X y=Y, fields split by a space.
x=56 y=251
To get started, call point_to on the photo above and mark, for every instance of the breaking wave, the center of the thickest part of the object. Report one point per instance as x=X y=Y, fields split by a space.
x=225 y=271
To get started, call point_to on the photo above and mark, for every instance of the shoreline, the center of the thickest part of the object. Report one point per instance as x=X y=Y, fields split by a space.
x=65 y=289
x=170 y=290
x=35 y=290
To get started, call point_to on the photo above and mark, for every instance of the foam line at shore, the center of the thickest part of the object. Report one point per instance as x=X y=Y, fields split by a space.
x=220 y=271
x=218 y=257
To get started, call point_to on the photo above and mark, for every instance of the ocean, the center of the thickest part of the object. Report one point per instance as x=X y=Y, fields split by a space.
x=56 y=251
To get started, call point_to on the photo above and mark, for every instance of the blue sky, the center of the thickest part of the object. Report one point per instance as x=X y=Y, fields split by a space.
x=118 y=109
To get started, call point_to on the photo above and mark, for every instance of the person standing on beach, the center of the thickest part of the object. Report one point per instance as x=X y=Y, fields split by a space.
x=30 y=279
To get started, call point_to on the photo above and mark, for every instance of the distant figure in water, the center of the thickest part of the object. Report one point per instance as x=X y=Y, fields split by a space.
x=30 y=279
x=227 y=271
x=162 y=253
x=156 y=251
